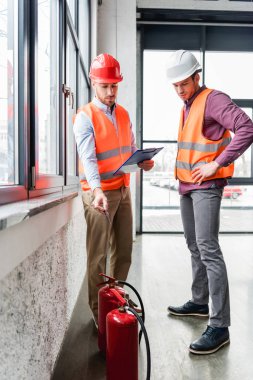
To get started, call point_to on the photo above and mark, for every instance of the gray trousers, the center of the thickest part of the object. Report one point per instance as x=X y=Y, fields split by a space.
x=200 y=212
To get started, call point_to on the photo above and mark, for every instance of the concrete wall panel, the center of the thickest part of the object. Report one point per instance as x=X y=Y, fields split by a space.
x=36 y=302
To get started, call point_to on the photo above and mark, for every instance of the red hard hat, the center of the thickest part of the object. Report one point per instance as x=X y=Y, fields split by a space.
x=105 y=69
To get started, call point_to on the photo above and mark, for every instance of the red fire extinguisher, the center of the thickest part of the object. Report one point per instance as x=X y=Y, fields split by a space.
x=107 y=301
x=122 y=342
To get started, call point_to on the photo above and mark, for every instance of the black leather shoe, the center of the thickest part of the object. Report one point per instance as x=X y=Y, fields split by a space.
x=191 y=309
x=211 y=341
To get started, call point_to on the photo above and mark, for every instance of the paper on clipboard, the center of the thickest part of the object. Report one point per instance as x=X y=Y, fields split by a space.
x=131 y=164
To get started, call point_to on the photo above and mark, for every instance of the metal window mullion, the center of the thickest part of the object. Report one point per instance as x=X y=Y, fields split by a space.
x=71 y=28
x=23 y=119
x=32 y=80
x=84 y=69
x=61 y=158
x=141 y=120
x=89 y=31
x=77 y=102
x=203 y=49
x=76 y=14
x=64 y=76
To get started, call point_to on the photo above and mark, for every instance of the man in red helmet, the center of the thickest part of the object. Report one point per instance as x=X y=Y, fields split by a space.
x=104 y=138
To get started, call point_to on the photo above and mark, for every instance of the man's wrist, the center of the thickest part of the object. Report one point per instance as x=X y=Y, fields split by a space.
x=217 y=164
x=97 y=190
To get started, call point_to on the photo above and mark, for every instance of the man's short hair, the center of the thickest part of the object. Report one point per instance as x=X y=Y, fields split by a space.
x=196 y=72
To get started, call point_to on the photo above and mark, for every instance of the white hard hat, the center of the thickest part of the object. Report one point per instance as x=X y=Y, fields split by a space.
x=181 y=65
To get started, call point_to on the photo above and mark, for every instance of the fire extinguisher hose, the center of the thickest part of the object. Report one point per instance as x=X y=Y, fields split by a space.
x=146 y=340
x=139 y=299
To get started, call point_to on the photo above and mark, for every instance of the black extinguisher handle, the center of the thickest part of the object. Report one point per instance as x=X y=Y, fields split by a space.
x=140 y=301
x=146 y=340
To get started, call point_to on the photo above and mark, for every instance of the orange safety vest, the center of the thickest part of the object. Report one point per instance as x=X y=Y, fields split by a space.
x=112 y=148
x=194 y=149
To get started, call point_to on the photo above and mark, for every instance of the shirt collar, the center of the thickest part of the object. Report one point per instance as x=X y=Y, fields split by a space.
x=103 y=106
x=189 y=102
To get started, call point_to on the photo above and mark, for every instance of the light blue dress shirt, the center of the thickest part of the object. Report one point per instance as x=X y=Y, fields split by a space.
x=85 y=141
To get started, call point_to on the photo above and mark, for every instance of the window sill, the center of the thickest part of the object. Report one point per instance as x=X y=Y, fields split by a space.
x=14 y=213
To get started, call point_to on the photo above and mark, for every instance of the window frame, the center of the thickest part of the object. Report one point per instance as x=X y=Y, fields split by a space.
x=32 y=183
x=12 y=193
x=73 y=34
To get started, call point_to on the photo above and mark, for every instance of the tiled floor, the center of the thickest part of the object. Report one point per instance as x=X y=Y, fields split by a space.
x=161 y=272
x=169 y=220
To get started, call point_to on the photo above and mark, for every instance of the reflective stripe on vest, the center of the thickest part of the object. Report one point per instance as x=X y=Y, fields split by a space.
x=194 y=149
x=113 y=153
x=204 y=147
x=112 y=148
x=106 y=175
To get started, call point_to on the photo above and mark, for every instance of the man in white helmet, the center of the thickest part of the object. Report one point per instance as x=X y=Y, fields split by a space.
x=203 y=164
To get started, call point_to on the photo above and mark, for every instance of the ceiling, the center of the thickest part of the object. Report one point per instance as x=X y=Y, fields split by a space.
x=193 y=16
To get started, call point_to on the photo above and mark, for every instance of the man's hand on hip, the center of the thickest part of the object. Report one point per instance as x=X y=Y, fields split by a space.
x=205 y=171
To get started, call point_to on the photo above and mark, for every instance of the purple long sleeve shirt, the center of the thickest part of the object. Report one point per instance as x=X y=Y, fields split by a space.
x=221 y=114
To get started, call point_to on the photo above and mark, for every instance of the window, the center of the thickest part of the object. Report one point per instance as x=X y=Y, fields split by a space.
x=43 y=74
x=160 y=191
x=48 y=87
x=229 y=72
x=161 y=110
x=83 y=31
x=159 y=94
x=226 y=55
x=8 y=92
x=72 y=9
x=83 y=89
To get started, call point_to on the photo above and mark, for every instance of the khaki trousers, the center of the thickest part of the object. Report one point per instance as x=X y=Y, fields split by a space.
x=104 y=237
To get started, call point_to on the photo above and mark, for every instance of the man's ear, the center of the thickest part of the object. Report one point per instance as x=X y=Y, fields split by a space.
x=197 y=77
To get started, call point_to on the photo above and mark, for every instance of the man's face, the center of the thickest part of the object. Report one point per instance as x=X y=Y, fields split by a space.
x=187 y=87
x=106 y=92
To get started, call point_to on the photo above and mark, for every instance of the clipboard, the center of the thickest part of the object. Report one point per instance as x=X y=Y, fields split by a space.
x=131 y=164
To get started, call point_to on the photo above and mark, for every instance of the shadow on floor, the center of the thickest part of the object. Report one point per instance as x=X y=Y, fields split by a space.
x=79 y=358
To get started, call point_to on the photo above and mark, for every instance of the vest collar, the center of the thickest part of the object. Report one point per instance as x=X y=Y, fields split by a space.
x=189 y=102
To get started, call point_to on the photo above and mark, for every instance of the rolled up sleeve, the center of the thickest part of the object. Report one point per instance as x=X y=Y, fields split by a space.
x=84 y=136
